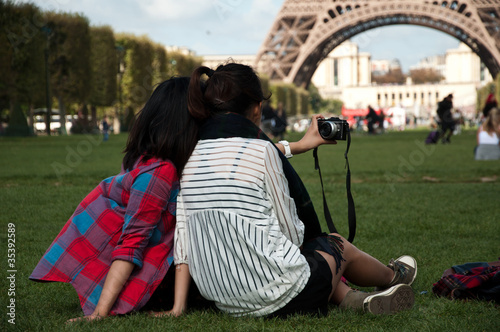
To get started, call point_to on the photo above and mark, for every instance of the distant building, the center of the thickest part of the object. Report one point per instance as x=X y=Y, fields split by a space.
x=180 y=49
x=213 y=61
x=380 y=67
x=464 y=66
x=434 y=62
x=344 y=67
x=461 y=68
x=346 y=74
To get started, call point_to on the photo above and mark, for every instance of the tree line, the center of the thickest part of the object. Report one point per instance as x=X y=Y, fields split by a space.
x=57 y=60
x=418 y=76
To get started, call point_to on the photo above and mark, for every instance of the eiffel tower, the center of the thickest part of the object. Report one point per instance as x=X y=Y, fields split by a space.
x=306 y=31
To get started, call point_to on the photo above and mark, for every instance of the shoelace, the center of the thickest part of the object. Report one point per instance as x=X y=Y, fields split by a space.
x=401 y=269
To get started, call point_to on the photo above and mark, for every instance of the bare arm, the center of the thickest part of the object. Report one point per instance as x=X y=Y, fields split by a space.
x=182 y=281
x=310 y=140
x=118 y=274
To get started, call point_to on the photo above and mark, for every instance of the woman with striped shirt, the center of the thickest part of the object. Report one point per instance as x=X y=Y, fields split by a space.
x=245 y=223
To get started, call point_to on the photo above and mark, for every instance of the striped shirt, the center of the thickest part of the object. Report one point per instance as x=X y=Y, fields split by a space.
x=237 y=227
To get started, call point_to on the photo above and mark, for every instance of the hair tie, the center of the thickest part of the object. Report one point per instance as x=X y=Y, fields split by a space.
x=210 y=72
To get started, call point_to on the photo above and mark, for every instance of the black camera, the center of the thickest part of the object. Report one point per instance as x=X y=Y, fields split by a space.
x=333 y=129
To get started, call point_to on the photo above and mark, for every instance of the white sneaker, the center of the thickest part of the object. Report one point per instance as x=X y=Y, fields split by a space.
x=392 y=300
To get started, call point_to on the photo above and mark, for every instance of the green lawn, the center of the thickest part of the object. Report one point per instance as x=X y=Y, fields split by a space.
x=434 y=202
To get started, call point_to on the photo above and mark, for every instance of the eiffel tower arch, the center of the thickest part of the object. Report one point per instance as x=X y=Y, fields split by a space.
x=306 y=31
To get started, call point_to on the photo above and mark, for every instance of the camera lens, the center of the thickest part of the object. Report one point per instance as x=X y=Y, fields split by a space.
x=328 y=129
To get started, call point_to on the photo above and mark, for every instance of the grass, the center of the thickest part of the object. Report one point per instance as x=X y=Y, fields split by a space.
x=433 y=202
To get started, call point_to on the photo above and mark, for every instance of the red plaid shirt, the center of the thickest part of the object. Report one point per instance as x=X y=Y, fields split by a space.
x=130 y=217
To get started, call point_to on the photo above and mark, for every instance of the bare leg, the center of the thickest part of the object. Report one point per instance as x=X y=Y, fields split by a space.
x=359 y=267
x=363 y=269
x=339 y=293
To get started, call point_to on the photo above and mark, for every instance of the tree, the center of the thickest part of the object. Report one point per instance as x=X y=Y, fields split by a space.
x=315 y=98
x=302 y=101
x=425 y=75
x=21 y=55
x=332 y=106
x=393 y=76
x=292 y=100
x=17 y=123
x=69 y=60
x=104 y=68
x=180 y=64
x=320 y=105
x=295 y=100
x=264 y=81
x=279 y=91
x=160 y=70
x=137 y=78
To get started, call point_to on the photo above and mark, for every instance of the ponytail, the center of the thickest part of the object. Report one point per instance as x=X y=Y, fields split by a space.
x=232 y=88
x=196 y=100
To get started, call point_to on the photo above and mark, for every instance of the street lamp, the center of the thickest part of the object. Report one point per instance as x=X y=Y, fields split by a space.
x=121 y=70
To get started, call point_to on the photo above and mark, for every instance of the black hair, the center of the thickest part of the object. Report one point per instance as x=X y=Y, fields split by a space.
x=163 y=128
x=231 y=87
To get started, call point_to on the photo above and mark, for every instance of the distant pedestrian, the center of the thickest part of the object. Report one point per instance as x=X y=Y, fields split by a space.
x=446 y=121
x=459 y=121
x=488 y=140
x=359 y=123
x=105 y=129
x=381 y=120
x=279 y=122
x=372 y=118
x=490 y=103
x=267 y=118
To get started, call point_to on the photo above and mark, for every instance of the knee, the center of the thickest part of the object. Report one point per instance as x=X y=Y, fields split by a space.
x=349 y=251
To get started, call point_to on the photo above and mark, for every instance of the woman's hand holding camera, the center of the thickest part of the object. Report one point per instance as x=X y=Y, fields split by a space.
x=310 y=140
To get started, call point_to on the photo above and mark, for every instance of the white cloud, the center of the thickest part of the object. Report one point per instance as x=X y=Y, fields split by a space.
x=175 y=9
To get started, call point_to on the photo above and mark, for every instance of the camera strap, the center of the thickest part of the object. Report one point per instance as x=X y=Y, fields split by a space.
x=351 y=213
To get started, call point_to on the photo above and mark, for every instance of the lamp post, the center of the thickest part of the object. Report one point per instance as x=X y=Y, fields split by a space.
x=121 y=69
x=173 y=67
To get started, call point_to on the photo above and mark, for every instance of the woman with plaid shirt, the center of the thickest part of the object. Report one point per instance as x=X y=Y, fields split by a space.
x=118 y=245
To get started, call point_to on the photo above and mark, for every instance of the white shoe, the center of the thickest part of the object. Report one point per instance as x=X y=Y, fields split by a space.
x=392 y=300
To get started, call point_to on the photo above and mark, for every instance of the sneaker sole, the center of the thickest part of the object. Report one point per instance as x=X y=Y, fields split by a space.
x=390 y=301
x=408 y=260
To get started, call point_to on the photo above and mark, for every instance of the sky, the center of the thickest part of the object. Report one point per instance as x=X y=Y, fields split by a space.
x=236 y=27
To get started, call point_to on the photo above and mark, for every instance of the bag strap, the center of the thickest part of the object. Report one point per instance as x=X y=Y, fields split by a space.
x=351 y=212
